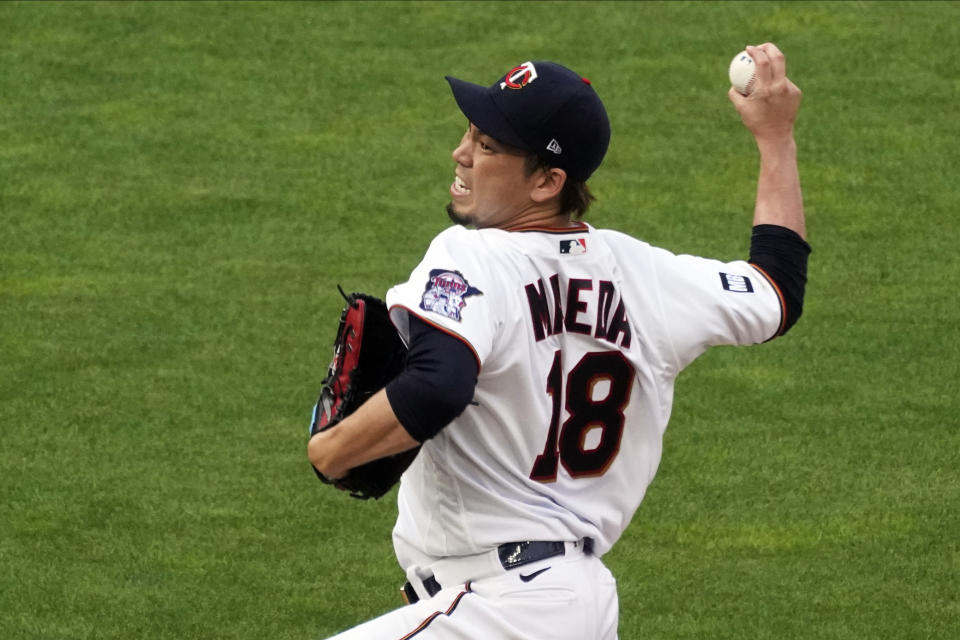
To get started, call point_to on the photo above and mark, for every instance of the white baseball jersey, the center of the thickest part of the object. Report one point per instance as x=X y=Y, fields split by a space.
x=580 y=334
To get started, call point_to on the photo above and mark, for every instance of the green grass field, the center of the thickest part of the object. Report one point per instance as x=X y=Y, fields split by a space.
x=182 y=185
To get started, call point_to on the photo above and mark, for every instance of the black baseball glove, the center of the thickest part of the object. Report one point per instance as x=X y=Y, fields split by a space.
x=367 y=354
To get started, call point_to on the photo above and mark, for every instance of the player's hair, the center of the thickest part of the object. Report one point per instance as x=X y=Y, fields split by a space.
x=575 y=198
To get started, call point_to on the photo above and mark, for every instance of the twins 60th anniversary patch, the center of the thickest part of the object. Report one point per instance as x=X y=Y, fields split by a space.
x=445 y=291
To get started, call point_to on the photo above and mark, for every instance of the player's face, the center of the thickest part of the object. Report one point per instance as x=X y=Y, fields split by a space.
x=491 y=187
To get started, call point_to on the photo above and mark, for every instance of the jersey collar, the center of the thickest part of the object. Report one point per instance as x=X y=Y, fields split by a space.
x=577 y=227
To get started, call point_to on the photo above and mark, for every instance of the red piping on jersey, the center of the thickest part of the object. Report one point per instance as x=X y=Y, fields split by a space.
x=579 y=227
x=445 y=330
x=780 y=298
x=433 y=616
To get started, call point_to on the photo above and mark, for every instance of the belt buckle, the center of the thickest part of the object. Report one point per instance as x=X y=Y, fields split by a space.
x=408 y=594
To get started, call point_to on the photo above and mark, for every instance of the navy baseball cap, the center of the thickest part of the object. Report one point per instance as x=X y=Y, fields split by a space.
x=541 y=107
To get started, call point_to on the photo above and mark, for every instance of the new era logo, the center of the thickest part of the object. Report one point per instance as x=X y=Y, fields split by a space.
x=554 y=146
x=735 y=283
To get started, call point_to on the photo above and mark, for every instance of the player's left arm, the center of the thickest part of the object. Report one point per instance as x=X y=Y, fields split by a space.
x=372 y=431
x=436 y=386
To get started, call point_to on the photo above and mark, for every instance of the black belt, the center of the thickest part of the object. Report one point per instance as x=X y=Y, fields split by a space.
x=512 y=555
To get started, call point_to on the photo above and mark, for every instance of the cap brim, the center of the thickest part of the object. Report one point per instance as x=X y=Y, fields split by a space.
x=476 y=102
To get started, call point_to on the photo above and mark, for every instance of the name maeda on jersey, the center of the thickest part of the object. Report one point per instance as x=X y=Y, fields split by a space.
x=586 y=300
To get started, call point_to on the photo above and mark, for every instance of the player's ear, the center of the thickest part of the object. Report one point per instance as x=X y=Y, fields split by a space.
x=548 y=184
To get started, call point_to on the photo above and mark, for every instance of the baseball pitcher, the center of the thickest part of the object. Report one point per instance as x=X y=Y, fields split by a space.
x=540 y=360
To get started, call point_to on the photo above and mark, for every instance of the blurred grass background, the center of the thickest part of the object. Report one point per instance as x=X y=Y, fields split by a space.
x=182 y=185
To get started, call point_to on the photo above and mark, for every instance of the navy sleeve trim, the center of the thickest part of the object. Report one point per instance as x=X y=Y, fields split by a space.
x=780 y=254
x=421 y=319
x=437 y=383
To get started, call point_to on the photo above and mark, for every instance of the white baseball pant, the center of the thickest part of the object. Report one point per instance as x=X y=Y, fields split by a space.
x=570 y=597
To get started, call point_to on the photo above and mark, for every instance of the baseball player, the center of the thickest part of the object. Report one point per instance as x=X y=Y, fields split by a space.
x=542 y=360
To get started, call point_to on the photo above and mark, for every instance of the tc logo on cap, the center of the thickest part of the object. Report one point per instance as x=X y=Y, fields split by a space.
x=519 y=77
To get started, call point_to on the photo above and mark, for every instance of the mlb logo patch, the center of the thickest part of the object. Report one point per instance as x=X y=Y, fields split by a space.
x=735 y=283
x=573 y=247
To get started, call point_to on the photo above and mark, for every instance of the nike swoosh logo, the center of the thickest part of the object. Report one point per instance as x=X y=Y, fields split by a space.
x=528 y=578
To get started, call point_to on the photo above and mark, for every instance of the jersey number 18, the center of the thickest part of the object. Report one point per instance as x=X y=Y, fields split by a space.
x=567 y=443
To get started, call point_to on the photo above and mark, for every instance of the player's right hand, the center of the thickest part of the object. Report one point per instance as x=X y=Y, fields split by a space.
x=770 y=111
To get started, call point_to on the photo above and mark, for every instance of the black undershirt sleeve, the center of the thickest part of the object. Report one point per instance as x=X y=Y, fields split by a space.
x=437 y=383
x=782 y=254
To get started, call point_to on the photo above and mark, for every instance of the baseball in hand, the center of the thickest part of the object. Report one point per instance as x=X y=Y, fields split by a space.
x=743 y=75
